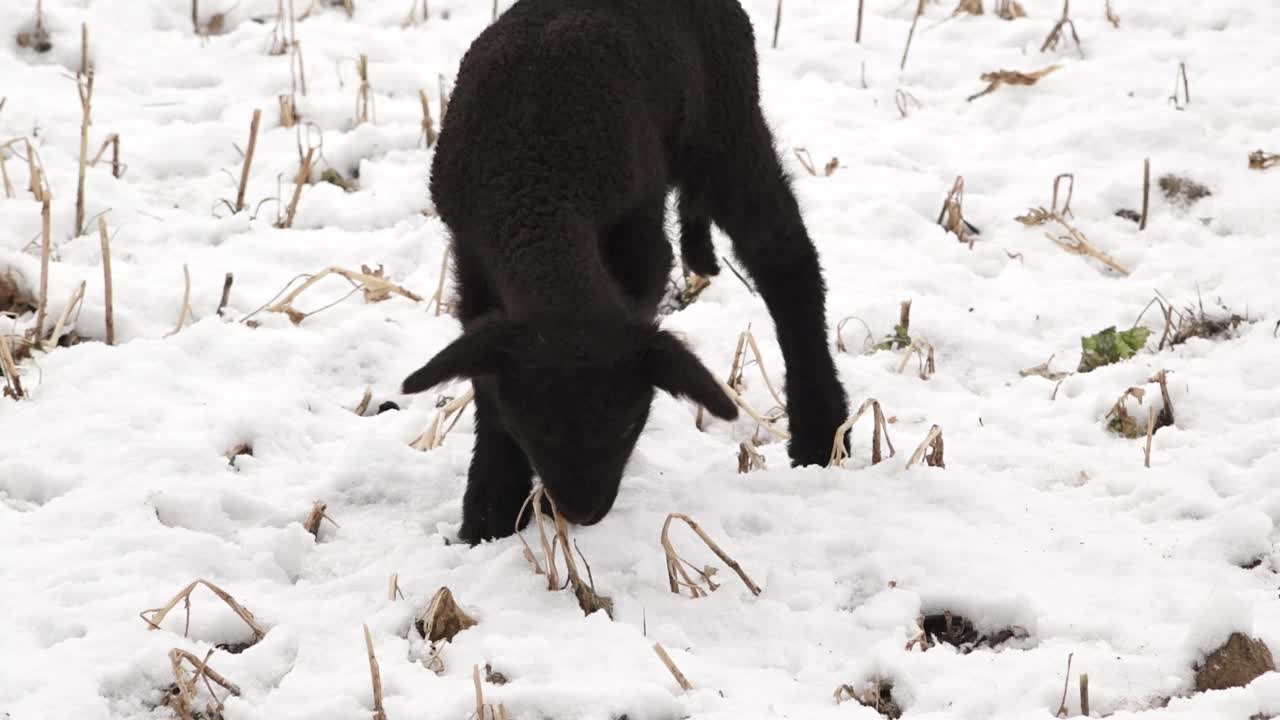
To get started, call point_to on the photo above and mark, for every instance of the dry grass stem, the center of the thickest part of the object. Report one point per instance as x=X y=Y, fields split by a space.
x=288 y=110
x=1042 y=370
x=84 y=83
x=36 y=182
x=433 y=437
x=153 y=618
x=360 y=281
x=227 y=280
x=428 y=125
x=677 y=577
x=73 y=305
x=764 y=422
x=363 y=406
x=880 y=427
x=112 y=142
x=1261 y=160
x=1000 y=78
x=183 y=698
x=364 y=94
x=1058 y=35
x=304 y=175
x=375 y=677
x=1009 y=9
x=1062 y=707
x=777 y=24
x=951 y=217
x=185 y=313
x=584 y=590
x=911 y=33
x=1191 y=322
x=1114 y=19
x=904 y=100
x=867 y=341
x=438 y=297
x=749 y=459
x=106 y=281
x=1084 y=677
x=736 y=382
x=318 y=514
x=671 y=667
x=1074 y=241
x=857 y=36
x=1146 y=193
x=46 y=248
x=248 y=158
x=930 y=450
x=928 y=363
x=12 y=379
x=484 y=710
x=1180 y=103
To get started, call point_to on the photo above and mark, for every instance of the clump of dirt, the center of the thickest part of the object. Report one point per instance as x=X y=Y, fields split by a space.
x=878 y=696
x=1182 y=191
x=1236 y=664
x=959 y=632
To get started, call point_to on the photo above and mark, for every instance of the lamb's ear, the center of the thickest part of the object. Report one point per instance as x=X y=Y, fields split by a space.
x=675 y=369
x=481 y=351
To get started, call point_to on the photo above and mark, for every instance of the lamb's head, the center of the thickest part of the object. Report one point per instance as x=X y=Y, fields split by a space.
x=576 y=397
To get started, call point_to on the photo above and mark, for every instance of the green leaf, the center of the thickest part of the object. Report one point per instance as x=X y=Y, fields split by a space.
x=897 y=341
x=1109 y=347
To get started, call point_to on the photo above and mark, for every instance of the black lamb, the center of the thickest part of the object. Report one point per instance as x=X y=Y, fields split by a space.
x=569 y=123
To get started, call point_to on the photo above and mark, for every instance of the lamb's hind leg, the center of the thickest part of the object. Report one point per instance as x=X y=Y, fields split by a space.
x=755 y=206
x=696 y=248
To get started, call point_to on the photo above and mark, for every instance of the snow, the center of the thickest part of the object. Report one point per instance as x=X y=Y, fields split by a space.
x=115 y=492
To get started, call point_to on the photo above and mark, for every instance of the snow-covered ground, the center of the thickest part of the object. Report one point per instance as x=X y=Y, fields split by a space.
x=115 y=491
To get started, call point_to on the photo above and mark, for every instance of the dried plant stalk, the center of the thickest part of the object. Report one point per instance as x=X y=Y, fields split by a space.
x=428 y=125
x=106 y=280
x=928 y=363
x=360 y=280
x=248 y=158
x=12 y=380
x=676 y=575
x=185 y=313
x=1146 y=193
x=857 y=36
x=433 y=437
x=1009 y=9
x=930 y=450
x=999 y=78
x=364 y=92
x=951 y=217
x=1177 y=102
x=304 y=174
x=157 y=616
x=1114 y=19
x=45 y=250
x=317 y=515
x=777 y=24
x=84 y=83
x=911 y=33
x=438 y=297
x=375 y=677
x=749 y=459
x=184 y=701
x=1076 y=243
x=735 y=381
x=363 y=406
x=880 y=426
x=73 y=305
x=113 y=143
x=671 y=667
x=227 y=280
x=1057 y=34
x=588 y=599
